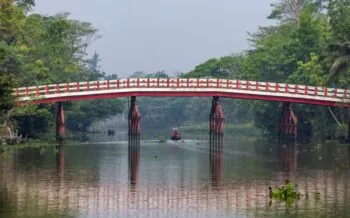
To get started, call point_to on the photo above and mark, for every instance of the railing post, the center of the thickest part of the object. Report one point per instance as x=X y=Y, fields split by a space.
x=67 y=87
x=17 y=91
x=77 y=87
x=296 y=89
x=57 y=89
x=118 y=84
x=108 y=84
x=257 y=86
x=306 y=91
x=267 y=88
x=287 y=88
x=37 y=90
x=248 y=85
x=335 y=92
x=98 y=85
x=167 y=83
x=277 y=89
x=128 y=83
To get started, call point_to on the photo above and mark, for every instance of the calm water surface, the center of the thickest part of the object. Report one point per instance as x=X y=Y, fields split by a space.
x=107 y=179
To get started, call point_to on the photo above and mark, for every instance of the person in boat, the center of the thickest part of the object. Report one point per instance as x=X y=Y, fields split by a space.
x=175 y=134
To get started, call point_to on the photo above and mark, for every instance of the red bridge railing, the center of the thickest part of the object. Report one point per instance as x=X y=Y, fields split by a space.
x=192 y=84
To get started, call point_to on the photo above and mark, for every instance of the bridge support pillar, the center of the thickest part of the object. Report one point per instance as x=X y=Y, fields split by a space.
x=134 y=116
x=288 y=124
x=216 y=124
x=60 y=123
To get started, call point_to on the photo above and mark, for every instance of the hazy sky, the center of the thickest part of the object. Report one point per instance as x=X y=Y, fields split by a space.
x=170 y=35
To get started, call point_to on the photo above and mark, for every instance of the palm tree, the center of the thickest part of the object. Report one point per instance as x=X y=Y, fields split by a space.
x=342 y=60
x=340 y=65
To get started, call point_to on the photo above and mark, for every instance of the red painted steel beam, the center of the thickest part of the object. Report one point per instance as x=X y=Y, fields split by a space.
x=187 y=94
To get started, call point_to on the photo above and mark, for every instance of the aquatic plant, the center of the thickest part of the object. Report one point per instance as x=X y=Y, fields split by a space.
x=286 y=193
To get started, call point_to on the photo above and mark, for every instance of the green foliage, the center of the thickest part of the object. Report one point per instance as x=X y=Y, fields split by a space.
x=225 y=67
x=7 y=100
x=82 y=114
x=37 y=49
x=286 y=193
x=339 y=16
x=300 y=49
x=310 y=73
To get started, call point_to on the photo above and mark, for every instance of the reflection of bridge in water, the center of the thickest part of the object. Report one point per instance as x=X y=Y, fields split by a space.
x=58 y=193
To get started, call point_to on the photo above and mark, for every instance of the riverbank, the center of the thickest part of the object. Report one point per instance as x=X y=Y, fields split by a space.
x=43 y=145
x=247 y=129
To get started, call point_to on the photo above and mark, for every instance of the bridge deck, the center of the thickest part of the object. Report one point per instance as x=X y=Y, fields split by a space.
x=170 y=87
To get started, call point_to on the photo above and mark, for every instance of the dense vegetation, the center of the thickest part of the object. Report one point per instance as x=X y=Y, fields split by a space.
x=37 y=49
x=309 y=44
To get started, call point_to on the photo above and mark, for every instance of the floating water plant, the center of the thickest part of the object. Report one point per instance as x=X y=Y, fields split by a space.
x=286 y=193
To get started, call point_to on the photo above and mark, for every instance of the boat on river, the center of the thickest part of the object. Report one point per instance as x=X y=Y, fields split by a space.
x=175 y=136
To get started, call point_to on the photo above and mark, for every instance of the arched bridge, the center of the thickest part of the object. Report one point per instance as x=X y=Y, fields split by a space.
x=187 y=87
x=169 y=87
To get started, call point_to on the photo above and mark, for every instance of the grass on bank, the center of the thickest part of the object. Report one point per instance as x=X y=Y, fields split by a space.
x=246 y=129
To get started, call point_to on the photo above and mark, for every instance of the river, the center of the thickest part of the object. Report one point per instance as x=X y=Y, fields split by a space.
x=106 y=178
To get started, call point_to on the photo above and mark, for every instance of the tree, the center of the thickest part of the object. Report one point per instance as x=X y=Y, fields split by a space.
x=225 y=67
x=287 y=11
x=37 y=49
x=137 y=74
x=339 y=14
x=111 y=77
x=84 y=113
x=7 y=100
x=341 y=53
x=339 y=19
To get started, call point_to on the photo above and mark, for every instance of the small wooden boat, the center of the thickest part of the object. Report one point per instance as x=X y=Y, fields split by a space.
x=175 y=136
